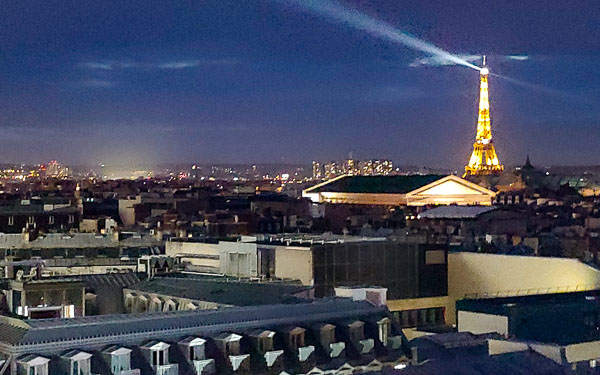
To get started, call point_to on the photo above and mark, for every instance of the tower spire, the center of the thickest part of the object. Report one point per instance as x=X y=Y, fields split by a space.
x=483 y=159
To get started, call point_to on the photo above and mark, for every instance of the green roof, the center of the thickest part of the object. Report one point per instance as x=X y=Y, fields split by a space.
x=376 y=184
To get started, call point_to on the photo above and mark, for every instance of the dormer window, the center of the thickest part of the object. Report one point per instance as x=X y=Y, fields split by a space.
x=120 y=360
x=296 y=338
x=384 y=326
x=356 y=330
x=327 y=335
x=160 y=357
x=196 y=348
x=35 y=365
x=263 y=340
x=230 y=343
x=80 y=362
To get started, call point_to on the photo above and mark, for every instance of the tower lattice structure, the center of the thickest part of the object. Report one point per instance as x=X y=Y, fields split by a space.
x=484 y=159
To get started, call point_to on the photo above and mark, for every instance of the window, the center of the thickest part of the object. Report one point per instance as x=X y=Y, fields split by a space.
x=11 y=220
x=296 y=339
x=327 y=335
x=50 y=219
x=120 y=362
x=40 y=369
x=71 y=219
x=159 y=357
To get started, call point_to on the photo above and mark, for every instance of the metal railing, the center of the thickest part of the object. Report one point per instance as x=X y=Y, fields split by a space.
x=534 y=291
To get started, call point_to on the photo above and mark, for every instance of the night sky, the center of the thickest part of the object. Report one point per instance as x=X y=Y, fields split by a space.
x=267 y=81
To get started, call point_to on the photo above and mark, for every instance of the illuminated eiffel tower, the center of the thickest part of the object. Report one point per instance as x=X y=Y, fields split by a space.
x=483 y=159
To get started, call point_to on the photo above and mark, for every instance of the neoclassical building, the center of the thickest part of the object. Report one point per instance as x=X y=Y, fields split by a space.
x=410 y=190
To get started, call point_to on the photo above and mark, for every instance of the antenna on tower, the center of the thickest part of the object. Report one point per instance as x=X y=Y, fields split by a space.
x=483 y=60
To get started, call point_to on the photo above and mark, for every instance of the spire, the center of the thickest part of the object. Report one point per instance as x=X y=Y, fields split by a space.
x=527 y=163
x=483 y=159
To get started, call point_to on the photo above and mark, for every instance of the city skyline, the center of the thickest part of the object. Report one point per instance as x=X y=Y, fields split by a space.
x=224 y=82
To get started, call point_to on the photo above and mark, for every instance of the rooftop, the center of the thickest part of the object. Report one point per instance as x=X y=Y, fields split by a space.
x=73 y=332
x=375 y=184
x=74 y=240
x=524 y=362
x=225 y=292
x=558 y=318
x=455 y=212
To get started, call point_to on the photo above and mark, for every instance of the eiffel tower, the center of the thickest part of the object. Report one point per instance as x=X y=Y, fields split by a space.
x=483 y=160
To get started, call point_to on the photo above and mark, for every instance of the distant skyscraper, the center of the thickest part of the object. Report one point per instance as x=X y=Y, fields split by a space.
x=317 y=170
x=351 y=167
x=483 y=159
x=56 y=170
x=375 y=167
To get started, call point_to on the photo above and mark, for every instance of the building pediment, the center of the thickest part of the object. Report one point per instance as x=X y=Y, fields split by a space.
x=451 y=186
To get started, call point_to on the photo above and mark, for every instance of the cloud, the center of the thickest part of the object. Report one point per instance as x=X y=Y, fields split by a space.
x=518 y=57
x=168 y=65
x=99 y=83
x=108 y=65
x=442 y=61
x=179 y=64
x=97 y=65
x=186 y=64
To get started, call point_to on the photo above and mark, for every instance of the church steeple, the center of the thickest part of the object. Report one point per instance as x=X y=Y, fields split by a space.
x=483 y=159
x=527 y=164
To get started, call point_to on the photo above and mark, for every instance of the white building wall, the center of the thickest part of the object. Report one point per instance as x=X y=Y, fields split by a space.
x=494 y=274
x=479 y=323
x=238 y=259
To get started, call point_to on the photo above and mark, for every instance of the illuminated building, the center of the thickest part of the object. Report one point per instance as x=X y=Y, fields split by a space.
x=56 y=170
x=375 y=167
x=317 y=170
x=351 y=167
x=414 y=190
x=483 y=159
x=332 y=170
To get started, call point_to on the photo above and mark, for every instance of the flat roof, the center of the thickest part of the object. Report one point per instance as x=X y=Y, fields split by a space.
x=235 y=293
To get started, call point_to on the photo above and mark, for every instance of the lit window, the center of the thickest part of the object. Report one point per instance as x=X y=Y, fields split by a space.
x=11 y=220
x=51 y=220
x=31 y=220
x=71 y=219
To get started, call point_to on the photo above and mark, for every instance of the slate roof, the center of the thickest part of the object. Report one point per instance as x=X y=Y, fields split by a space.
x=516 y=363
x=35 y=209
x=220 y=291
x=375 y=184
x=74 y=240
x=118 y=279
x=455 y=212
x=156 y=325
